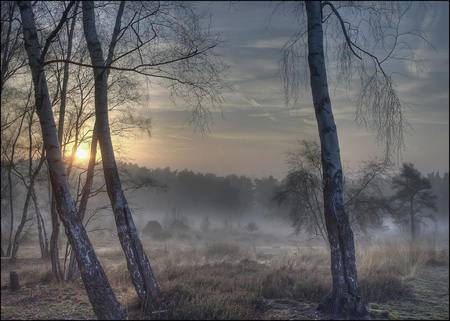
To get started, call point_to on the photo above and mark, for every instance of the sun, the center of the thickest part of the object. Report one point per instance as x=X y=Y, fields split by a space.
x=82 y=154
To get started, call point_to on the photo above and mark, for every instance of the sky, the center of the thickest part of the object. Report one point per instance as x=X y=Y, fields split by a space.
x=254 y=128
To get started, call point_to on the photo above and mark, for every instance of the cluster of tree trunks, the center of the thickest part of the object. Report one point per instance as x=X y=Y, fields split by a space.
x=102 y=298
x=100 y=294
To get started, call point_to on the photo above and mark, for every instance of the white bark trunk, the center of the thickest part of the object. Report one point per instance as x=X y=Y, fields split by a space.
x=100 y=294
x=137 y=261
x=345 y=298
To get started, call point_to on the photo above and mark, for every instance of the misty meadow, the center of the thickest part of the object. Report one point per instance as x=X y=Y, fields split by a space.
x=224 y=160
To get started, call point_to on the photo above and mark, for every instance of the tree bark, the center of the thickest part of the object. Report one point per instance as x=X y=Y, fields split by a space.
x=344 y=299
x=54 y=236
x=43 y=241
x=54 y=248
x=101 y=296
x=72 y=271
x=138 y=263
x=56 y=266
x=413 y=222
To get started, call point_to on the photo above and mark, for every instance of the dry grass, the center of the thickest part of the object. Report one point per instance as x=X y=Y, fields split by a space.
x=225 y=281
x=223 y=250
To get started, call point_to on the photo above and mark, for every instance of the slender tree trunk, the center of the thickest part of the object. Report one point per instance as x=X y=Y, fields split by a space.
x=54 y=236
x=345 y=298
x=11 y=211
x=62 y=108
x=100 y=294
x=72 y=270
x=23 y=220
x=32 y=174
x=26 y=206
x=43 y=241
x=138 y=263
x=413 y=223
x=54 y=247
x=10 y=187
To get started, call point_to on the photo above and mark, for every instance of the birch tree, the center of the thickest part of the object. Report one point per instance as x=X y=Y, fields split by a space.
x=100 y=294
x=200 y=85
x=54 y=248
x=368 y=37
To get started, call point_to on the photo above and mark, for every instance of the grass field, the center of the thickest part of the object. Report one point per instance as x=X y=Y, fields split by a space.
x=225 y=279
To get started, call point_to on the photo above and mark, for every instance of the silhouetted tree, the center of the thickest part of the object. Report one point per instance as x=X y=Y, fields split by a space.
x=413 y=196
x=302 y=191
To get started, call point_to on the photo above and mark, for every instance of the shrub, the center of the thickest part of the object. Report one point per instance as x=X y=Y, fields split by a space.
x=155 y=231
x=252 y=227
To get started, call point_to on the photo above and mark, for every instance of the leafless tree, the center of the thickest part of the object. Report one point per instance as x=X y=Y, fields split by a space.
x=29 y=185
x=183 y=65
x=302 y=190
x=368 y=35
x=12 y=58
x=102 y=298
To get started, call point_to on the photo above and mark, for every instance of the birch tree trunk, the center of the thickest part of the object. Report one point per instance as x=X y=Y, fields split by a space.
x=101 y=296
x=345 y=298
x=72 y=270
x=138 y=263
x=43 y=242
x=54 y=247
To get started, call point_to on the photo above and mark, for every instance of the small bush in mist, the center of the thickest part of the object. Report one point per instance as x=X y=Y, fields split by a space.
x=154 y=230
x=252 y=227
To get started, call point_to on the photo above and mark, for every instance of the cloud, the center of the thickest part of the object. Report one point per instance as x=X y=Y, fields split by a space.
x=269 y=43
x=255 y=127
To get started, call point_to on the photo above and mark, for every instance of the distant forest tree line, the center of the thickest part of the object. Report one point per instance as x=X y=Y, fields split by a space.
x=232 y=198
